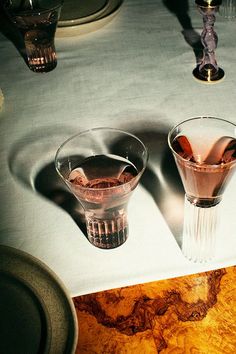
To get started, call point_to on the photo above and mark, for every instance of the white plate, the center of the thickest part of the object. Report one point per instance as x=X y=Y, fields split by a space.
x=37 y=313
x=83 y=17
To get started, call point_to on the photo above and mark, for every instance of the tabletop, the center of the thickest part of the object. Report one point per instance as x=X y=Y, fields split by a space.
x=135 y=74
x=190 y=314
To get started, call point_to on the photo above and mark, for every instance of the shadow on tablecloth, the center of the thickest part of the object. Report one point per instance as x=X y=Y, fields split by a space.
x=31 y=161
x=180 y=8
x=161 y=178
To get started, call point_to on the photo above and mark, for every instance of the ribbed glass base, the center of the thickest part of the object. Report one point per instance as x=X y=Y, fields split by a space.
x=200 y=232
x=109 y=233
x=41 y=59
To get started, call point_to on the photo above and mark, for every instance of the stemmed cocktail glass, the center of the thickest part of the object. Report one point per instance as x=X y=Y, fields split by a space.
x=204 y=149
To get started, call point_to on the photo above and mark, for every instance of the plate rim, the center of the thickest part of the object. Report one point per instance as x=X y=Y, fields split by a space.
x=86 y=19
x=74 y=28
x=57 y=290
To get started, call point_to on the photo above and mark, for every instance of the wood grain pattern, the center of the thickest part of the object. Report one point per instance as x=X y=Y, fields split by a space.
x=194 y=314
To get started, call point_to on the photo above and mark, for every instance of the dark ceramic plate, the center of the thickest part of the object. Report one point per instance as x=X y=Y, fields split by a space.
x=37 y=314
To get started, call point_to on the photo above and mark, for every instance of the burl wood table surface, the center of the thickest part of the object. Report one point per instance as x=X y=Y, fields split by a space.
x=192 y=314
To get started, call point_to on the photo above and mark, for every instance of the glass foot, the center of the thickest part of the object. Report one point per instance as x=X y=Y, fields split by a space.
x=208 y=74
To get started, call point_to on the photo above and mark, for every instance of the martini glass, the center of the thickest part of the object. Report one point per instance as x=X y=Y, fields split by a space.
x=204 y=149
x=208 y=70
x=102 y=167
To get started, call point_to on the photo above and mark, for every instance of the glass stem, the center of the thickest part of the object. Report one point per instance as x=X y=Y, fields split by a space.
x=209 y=40
x=199 y=231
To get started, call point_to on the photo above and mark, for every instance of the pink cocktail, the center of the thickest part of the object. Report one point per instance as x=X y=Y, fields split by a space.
x=102 y=167
x=204 y=149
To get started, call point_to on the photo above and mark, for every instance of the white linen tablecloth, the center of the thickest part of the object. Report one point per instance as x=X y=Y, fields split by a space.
x=135 y=74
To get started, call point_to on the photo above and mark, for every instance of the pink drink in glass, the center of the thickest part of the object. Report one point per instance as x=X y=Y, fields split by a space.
x=204 y=149
x=204 y=179
x=102 y=167
x=103 y=184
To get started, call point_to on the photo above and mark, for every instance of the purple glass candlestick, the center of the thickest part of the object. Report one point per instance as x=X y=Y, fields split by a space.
x=208 y=70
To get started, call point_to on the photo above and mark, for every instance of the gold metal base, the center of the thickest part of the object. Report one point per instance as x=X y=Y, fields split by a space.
x=208 y=76
x=208 y=3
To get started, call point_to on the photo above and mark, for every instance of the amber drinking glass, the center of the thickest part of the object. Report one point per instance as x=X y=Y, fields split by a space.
x=37 y=21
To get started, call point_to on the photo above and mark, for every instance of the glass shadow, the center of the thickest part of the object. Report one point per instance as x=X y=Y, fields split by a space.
x=180 y=8
x=31 y=162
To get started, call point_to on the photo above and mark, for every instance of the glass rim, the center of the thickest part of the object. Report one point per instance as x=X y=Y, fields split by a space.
x=205 y=166
x=33 y=12
x=116 y=130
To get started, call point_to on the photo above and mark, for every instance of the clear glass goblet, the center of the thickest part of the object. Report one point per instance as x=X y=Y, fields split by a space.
x=204 y=149
x=102 y=167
